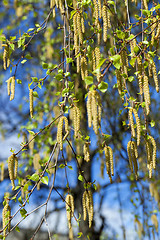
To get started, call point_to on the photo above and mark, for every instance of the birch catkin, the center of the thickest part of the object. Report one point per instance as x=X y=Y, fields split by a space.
x=6 y=215
x=6 y=60
x=130 y=116
x=60 y=137
x=76 y=120
x=69 y=208
x=2 y=171
x=138 y=126
x=86 y=152
x=105 y=22
x=109 y=161
x=12 y=88
x=12 y=168
x=87 y=202
x=31 y=102
x=146 y=93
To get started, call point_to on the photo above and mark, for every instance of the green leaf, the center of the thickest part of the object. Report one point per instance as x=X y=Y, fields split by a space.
x=101 y=63
x=35 y=94
x=28 y=56
x=61 y=166
x=70 y=167
x=103 y=86
x=106 y=136
x=116 y=61
x=44 y=65
x=88 y=80
x=23 y=61
x=69 y=60
x=132 y=62
x=44 y=180
x=152 y=123
x=19 y=81
x=120 y=34
x=59 y=77
x=111 y=2
x=20 y=200
x=79 y=234
x=80 y=178
x=23 y=212
x=72 y=13
x=131 y=79
x=34 y=177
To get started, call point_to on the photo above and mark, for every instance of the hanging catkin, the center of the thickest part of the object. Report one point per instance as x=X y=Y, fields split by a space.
x=2 y=171
x=60 y=137
x=6 y=215
x=31 y=102
x=94 y=110
x=79 y=29
x=76 y=120
x=86 y=152
x=140 y=76
x=69 y=208
x=146 y=93
x=109 y=161
x=52 y=4
x=36 y=163
x=12 y=88
x=155 y=76
x=6 y=60
x=95 y=11
x=9 y=86
x=87 y=202
x=98 y=56
x=13 y=168
x=105 y=22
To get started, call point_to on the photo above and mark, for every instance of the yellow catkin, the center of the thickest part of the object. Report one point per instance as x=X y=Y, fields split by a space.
x=105 y=22
x=132 y=46
x=12 y=88
x=6 y=215
x=79 y=29
x=124 y=61
x=76 y=120
x=134 y=160
x=138 y=126
x=98 y=34
x=99 y=8
x=155 y=76
x=158 y=31
x=84 y=70
x=36 y=163
x=93 y=60
x=102 y=168
x=153 y=27
x=145 y=4
x=149 y=156
x=90 y=208
x=154 y=151
x=31 y=102
x=89 y=108
x=84 y=205
x=12 y=168
x=6 y=60
x=52 y=4
x=98 y=56
x=87 y=202
x=130 y=155
x=155 y=221
x=2 y=171
x=108 y=163
x=9 y=86
x=111 y=160
x=95 y=11
x=82 y=24
x=146 y=93
x=139 y=63
x=31 y=144
x=60 y=137
x=94 y=112
x=130 y=116
x=69 y=208
x=86 y=152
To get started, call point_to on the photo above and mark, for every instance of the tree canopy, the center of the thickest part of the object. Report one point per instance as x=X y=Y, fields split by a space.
x=80 y=86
